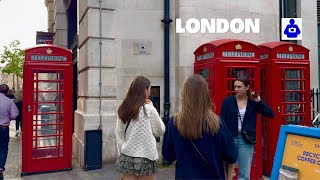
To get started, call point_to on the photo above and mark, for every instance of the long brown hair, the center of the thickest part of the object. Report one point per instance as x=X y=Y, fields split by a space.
x=135 y=98
x=196 y=114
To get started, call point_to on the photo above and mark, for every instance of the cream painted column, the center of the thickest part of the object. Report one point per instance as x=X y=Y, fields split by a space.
x=50 y=8
x=87 y=116
x=132 y=44
x=60 y=26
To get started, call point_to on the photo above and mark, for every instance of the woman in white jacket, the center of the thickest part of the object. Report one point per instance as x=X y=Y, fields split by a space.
x=137 y=124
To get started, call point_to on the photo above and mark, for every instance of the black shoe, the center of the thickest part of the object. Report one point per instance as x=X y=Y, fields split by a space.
x=1 y=175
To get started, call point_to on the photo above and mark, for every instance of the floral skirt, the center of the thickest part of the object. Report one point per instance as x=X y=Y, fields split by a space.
x=136 y=165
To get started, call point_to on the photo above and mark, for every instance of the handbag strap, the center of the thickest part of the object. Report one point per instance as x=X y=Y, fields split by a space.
x=145 y=113
x=125 y=131
x=201 y=155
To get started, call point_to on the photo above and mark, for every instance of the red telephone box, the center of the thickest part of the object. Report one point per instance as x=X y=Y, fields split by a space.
x=47 y=113
x=285 y=75
x=220 y=62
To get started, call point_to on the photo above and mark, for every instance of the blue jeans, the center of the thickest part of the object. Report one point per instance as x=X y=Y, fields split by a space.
x=4 y=141
x=245 y=153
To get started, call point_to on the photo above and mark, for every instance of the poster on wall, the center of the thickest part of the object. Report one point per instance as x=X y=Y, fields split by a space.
x=298 y=153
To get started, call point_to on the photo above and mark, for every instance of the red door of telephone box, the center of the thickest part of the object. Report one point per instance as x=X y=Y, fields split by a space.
x=285 y=75
x=47 y=112
x=220 y=62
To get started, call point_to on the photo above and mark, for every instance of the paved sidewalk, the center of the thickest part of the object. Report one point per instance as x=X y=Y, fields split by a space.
x=108 y=172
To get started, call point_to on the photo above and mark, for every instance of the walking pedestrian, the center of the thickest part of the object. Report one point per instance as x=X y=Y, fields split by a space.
x=137 y=126
x=196 y=138
x=18 y=101
x=8 y=112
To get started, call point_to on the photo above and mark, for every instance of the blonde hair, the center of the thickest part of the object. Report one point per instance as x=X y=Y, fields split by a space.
x=18 y=96
x=196 y=114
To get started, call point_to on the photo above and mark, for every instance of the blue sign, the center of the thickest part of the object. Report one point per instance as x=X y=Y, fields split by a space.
x=291 y=28
x=298 y=149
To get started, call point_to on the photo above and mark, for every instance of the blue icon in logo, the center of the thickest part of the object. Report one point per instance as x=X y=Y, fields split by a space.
x=292 y=30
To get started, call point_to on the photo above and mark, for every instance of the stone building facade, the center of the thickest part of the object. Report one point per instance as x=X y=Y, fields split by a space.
x=130 y=33
x=8 y=79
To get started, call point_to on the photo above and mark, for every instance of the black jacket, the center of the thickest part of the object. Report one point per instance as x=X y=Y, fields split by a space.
x=19 y=106
x=229 y=114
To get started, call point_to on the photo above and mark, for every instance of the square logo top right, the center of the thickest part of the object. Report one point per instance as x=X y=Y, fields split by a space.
x=291 y=28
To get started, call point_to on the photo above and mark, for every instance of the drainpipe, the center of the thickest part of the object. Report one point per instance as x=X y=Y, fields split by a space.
x=100 y=58
x=166 y=21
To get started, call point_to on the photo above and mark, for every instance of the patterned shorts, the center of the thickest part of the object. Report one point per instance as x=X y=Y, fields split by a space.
x=136 y=166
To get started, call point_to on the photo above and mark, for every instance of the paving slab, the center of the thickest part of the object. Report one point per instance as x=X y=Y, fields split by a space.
x=108 y=172
x=13 y=167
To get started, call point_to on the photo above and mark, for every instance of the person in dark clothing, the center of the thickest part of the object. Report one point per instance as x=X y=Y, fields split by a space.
x=18 y=101
x=10 y=94
x=239 y=112
x=196 y=138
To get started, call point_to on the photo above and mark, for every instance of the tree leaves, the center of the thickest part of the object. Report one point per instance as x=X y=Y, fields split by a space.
x=13 y=57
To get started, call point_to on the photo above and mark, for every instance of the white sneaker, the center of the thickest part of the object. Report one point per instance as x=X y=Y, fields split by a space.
x=17 y=134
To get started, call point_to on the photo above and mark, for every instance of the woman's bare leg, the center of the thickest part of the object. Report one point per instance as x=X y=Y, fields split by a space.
x=151 y=177
x=229 y=171
x=125 y=176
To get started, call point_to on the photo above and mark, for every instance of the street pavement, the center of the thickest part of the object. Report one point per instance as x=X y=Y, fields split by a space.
x=108 y=172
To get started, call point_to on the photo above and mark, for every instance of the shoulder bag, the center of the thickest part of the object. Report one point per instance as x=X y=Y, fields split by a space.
x=247 y=136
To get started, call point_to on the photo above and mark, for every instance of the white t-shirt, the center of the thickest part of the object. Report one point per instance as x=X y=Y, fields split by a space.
x=240 y=121
x=139 y=139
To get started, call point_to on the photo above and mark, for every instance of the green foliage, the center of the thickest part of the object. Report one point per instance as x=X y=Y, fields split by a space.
x=13 y=56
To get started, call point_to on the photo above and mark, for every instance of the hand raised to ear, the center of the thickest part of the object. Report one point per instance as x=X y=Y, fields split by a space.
x=255 y=96
x=148 y=101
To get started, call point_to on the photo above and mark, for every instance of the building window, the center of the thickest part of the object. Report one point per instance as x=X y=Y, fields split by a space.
x=288 y=9
x=155 y=97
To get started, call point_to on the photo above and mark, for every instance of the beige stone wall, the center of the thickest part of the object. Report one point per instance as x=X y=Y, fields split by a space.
x=87 y=116
x=269 y=29
x=187 y=43
x=8 y=79
x=126 y=25
x=50 y=8
x=60 y=26
x=307 y=10
x=57 y=21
